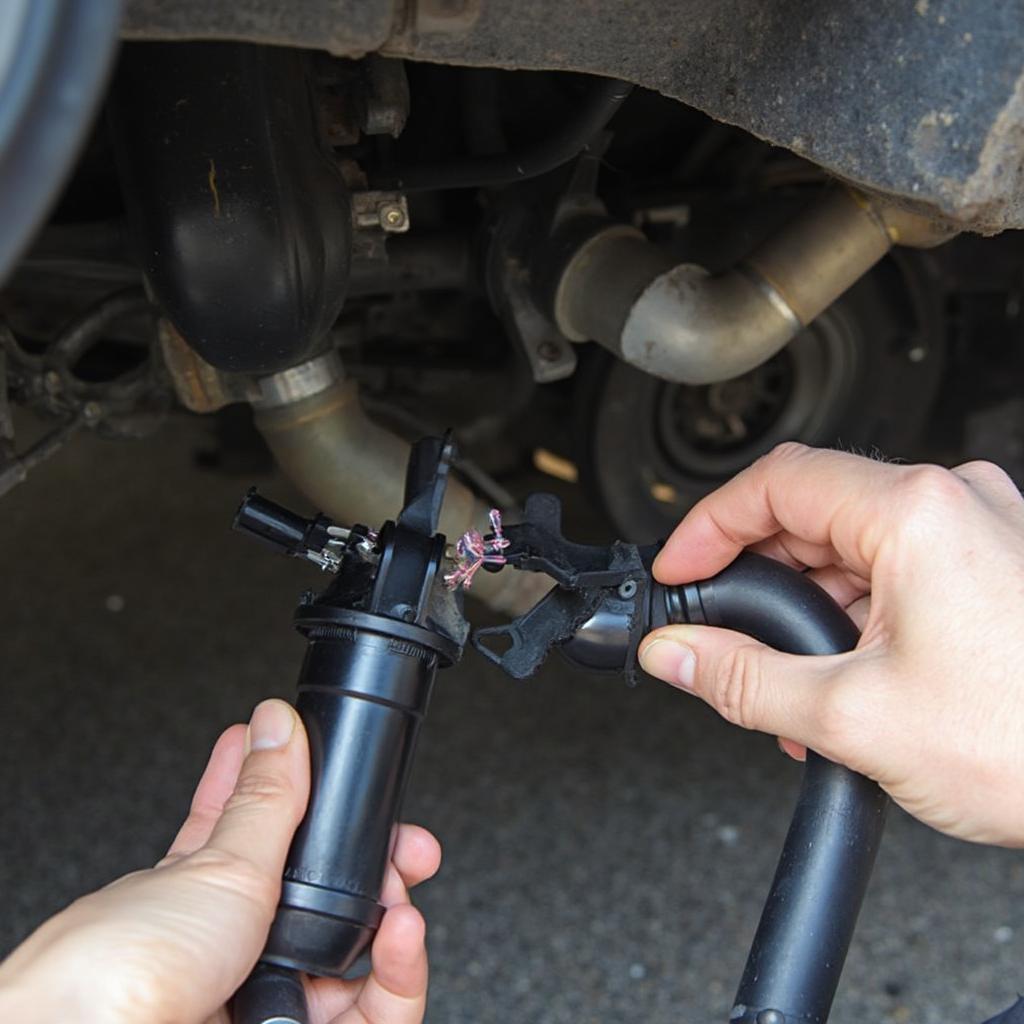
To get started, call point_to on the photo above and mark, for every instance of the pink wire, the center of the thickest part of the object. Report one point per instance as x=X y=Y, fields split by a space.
x=473 y=551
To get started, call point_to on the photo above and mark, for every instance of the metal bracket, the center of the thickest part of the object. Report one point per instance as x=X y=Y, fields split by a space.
x=388 y=211
x=550 y=355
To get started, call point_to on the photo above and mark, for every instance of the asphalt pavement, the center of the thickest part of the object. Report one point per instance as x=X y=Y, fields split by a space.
x=606 y=850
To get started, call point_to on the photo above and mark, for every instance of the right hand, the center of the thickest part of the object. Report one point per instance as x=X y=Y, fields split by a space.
x=929 y=563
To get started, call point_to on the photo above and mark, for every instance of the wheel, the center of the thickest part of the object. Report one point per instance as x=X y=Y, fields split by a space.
x=54 y=56
x=863 y=375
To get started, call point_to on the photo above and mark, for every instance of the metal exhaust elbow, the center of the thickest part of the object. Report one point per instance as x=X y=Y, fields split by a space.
x=683 y=324
x=354 y=470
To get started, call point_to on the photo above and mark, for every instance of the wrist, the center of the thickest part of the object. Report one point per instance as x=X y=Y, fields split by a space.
x=18 y=1003
x=29 y=996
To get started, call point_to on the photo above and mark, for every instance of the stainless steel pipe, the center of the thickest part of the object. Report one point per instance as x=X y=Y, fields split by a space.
x=683 y=324
x=354 y=470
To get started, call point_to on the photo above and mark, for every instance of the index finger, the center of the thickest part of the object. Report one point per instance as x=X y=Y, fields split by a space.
x=822 y=497
x=416 y=857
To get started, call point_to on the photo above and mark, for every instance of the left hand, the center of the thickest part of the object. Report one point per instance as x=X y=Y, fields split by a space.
x=170 y=945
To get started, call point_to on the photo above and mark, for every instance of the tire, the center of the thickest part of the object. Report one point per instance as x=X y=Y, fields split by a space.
x=863 y=376
x=54 y=59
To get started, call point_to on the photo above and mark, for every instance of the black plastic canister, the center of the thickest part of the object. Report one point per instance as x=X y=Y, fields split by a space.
x=363 y=691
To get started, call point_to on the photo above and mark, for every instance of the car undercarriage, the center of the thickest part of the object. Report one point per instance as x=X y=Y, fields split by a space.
x=363 y=225
x=431 y=258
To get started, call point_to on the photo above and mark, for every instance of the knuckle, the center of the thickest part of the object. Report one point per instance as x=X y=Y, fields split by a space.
x=839 y=717
x=927 y=486
x=786 y=451
x=258 y=789
x=136 y=992
x=985 y=472
x=994 y=483
x=929 y=497
x=736 y=684
x=228 y=871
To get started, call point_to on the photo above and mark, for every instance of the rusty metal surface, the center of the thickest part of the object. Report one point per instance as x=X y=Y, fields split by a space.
x=921 y=99
x=343 y=27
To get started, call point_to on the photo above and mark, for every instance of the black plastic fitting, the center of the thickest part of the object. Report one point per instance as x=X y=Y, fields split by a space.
x=279 y=527
x=363 y=690
x=375 y=639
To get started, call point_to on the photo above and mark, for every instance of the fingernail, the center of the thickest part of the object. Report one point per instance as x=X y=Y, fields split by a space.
x=271 y=725
x=671 y=661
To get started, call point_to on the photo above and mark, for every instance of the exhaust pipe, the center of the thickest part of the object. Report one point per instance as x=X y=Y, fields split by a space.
x=354 y=471
x=682 y=324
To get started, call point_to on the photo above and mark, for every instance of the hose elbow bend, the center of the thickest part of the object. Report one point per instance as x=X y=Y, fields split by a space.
x=684 y=325
x=691 y=328
x=772 y=603
x=805 y=930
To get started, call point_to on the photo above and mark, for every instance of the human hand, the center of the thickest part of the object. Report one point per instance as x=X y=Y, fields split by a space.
x=170 y=945
x=929 y=563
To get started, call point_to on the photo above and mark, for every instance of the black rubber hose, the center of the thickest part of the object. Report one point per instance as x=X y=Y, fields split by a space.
x=568 y=141
x=809 y=918
x=271 y=995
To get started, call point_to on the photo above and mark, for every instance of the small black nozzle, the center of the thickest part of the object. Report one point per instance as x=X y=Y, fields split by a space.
x=271 y=995
x=287 y=531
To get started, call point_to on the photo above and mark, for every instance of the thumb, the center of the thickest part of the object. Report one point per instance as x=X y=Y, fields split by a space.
x=269 y=799
x=748 y=683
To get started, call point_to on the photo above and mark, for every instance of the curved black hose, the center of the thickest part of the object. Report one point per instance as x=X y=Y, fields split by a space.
x=607 y=95
x=271 y=995
x=808 y=920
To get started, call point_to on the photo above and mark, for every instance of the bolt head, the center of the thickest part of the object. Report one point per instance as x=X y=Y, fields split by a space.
x=92 y=411
x=548 y=351
x=771 y=1017
x=392 y=217
x=51 y=381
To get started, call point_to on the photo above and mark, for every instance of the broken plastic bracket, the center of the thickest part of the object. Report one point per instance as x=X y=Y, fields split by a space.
x=587 y=577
